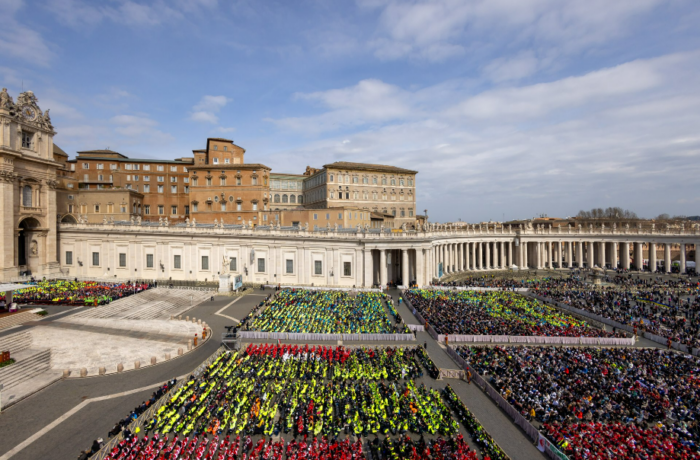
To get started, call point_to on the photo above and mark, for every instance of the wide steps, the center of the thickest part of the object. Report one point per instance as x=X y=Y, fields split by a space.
x=15 y=343
x=28 y=364
x=18 y=318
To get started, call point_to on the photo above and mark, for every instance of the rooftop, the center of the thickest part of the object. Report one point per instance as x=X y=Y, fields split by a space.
x=368 y=167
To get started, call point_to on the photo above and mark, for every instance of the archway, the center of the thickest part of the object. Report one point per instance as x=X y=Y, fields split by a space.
x=69 y=219
x=23 y=243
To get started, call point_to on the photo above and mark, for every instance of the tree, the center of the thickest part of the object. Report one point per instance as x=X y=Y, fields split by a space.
x=611 y=213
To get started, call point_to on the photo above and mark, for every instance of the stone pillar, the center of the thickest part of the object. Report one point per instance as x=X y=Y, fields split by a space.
x=494 y=256
x=472 y=252
x=559 y=255
x=697 y=257
x=579 y=253
x=603 y=259
x=369 y=268
x=525 y=256
x=682 y=259
x=590 y=250
x=667 y=258
x=613 y=255
x=652 y=257
x=625 y=256
x=638 y=256
x=487 y=256
x=420 y=267
x=382 y=267
x=510 y=254
x=478 y=256
x=404 y=267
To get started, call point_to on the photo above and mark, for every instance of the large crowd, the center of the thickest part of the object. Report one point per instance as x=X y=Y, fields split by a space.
x=66 y=292
x=600 y=402
x=326 y=312
x=668 y=308
x=299 y=402
x=495 y=313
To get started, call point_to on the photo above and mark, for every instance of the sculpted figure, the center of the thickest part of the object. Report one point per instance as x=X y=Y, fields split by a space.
x=5 y=99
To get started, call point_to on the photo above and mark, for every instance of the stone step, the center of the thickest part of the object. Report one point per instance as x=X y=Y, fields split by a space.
x=18 y=318
x=14 y=343
x=28 y=364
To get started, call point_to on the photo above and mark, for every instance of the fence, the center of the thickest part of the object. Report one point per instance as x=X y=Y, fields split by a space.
x=324 y=288
x=325 y=337
x=517 y=417
x=474 y=288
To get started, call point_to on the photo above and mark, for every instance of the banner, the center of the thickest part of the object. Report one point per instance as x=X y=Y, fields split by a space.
x=238 y=281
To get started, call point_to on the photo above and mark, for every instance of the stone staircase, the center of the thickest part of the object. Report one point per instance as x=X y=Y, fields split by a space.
x=18 y=318
x=31 y=371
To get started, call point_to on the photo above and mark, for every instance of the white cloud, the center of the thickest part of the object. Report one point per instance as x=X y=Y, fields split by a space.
x=438 y=29
x=628 y=132
x=18 y=40
x=207 y=108
x=515 y=68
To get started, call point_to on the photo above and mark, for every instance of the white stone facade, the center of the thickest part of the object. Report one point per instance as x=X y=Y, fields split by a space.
x=343 y=259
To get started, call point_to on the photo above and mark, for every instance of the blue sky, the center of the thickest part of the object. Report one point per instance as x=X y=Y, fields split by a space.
x=508 y=108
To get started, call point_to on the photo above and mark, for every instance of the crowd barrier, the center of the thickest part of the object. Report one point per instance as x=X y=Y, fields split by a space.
x=516 y=416
x=537 y=339
x=321 y=288
x=326 y=337
x=474 y=288
x=416 y=327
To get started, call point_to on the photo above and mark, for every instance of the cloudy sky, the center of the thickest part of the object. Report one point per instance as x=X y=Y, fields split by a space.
x=508 y=108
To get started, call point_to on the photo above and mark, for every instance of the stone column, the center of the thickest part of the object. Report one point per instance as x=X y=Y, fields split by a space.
x=510 y=253
x=404 y=267
x=382 y=267
x=494 y=256
x=579 y=253
x=559 y=254
x=667 y=258
x=369 y=268
x=487 y=256
x=652 y=257
x=697 y=257
x=590 y=250
x=682 y=260
x=525 y=253
x=625 y=255
x=613 y=255
x=472 y=255
x=460 y=254
x=420 y=267
x=602 y=255
x=638 y=256
x=479 y=255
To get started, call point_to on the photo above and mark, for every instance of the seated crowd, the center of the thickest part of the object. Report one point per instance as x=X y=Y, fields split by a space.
x=325 y=312
x=310 y=396
x=592 y=399
x=666 y=308
x=65 y=292
x=495 y=313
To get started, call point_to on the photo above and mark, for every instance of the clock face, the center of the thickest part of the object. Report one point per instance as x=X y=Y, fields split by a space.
x=28 y=112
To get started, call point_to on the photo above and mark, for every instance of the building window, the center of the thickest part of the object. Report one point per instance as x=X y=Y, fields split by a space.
x=173 y=168
x=401 y=182
x=239 y=206
x=147 y=209
x=161 y=178
x=146 y=188
x=347 y=268
x=233 y=264
x=149 y=260
x=194 y=207
x=69 y=257
x=285 y=199
x=410 y=213
x=160 y=189
x=289 y=267
x=328 y=216
x=300 y=200
x=173 y=179
x=160 y=168
x=261 y=265
x=27 y=140
x=393 y=181
x=315 y=216
x=223 y=206
x=95 y=259
x=122 y=259
x=255 y=206
x=277 y=198
x=123 y=209
x=383 y=180
x=205 y=262
x=146 y=178
x=410 y=182
x=173 y=189
x=187 y=189
x=255 y=181
x=226 y=160
x=26 y=196
x=216 y=160
x=177 y=262
x=238 y=181
x=318 y=267
x=161 y=209
x=194 y=181
x=97 y=208
x=403 y=213
x=292 y=198
x=209 y=181
x=173 y=210
x=340 y=215
x=354 y=180
x=187 y=210
x=331 y=178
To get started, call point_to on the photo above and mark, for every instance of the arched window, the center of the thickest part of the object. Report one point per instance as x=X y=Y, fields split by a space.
x=331 y=176
x=292 y=198
x=300 y=199
x=27 y=196
x=285 y=199
x=277 y=198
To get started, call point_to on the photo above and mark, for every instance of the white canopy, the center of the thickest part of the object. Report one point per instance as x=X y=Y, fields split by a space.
x=12 y=287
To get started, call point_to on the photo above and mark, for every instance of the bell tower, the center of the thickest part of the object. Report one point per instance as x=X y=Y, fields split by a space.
x=28 y=241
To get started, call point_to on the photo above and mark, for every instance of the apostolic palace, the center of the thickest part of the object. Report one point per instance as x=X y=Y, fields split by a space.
x=105 y=215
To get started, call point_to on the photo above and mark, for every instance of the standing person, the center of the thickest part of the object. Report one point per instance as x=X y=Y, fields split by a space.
x=469 y=375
